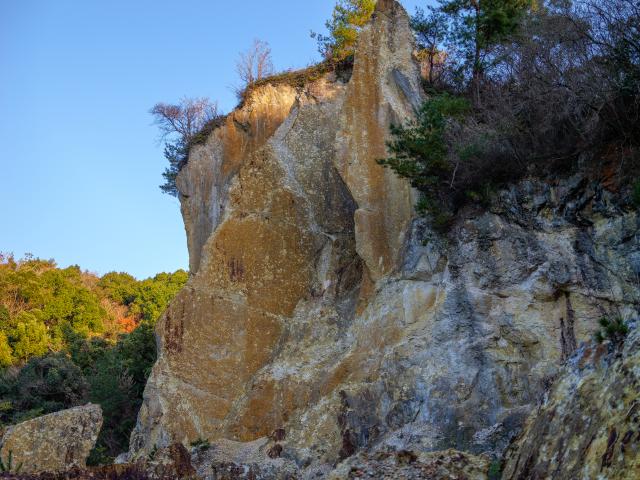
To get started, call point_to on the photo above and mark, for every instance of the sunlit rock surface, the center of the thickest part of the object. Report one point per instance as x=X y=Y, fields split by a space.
x=321 y=307
x=384 y=89
x=56 y=442
x=204 y=182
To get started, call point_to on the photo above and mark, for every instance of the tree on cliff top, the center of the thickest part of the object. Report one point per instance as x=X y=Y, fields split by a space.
x=470 y=28
x=184 y=119
x=255 y=63
x=179 y=124
x=348 y=18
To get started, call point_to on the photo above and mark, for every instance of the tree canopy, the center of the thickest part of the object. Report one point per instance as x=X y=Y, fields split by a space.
x=68 y=337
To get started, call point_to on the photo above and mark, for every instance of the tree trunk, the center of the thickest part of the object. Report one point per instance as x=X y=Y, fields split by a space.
x=477 y=68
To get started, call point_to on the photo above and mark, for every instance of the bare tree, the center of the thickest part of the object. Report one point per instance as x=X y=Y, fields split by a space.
x=255 y=63
x=178 y=125
x=185 y=119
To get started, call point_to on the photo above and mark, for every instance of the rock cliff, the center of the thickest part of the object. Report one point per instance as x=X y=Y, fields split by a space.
x=323 y=318
x=587 y=425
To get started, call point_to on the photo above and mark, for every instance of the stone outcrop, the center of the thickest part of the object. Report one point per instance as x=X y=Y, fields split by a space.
x=229 y=460
x=169 y=463
x=384 y=89
x=322 y=308
x=204 y=182
x=588 y=425
x=286 y=232
x=52 y=443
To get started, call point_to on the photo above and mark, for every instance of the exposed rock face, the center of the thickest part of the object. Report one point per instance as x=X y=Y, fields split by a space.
x=286 y=234
x=171 y=462
x=52 y=443
x=322 y=308
x=204 y=182
x=588 y=425
x=228 y=460
x=384 y=88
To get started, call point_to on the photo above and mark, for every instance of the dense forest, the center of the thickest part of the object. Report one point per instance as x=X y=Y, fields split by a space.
x=68 y=337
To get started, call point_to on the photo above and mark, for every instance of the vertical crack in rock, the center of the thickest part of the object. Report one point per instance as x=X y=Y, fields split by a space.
x=373 y=100
x=567 y=330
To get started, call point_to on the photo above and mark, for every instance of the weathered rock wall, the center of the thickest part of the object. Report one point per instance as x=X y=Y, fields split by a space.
x=56 y=442
x=286 y=235
x=204 y=182
x=384 y=89
x=322 y=308
x=588 y=424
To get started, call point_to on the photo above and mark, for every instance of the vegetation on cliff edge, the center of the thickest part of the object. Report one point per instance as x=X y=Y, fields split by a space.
x=347 y=19
x=547 y=84
x=192 y=120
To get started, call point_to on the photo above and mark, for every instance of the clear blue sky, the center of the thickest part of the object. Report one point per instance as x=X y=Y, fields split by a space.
x=79 y=159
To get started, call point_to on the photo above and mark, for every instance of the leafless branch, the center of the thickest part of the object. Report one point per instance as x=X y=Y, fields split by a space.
x=255 y=63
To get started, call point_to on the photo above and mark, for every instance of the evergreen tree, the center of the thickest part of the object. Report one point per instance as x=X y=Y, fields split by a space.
x=29 y=336
x=176 y=153
x=43 y=385
x=474 y=26
x=348 y=18
x=6 y=353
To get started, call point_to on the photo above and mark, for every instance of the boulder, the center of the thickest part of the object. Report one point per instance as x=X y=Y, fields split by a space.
x=56 y=442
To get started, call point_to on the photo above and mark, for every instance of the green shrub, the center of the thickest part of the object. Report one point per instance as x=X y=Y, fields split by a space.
x=117 y=375
x=635 y=193
x=495 y=470
x=153 y=452
x=614 y=331
x=201 y=444
x=6 y=353
x=42 y=386
x=420 y=152
x=29 y=337
x=6 y=466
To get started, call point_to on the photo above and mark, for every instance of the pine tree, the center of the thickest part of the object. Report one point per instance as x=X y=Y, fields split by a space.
x=349 y=16
x=477 y=25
